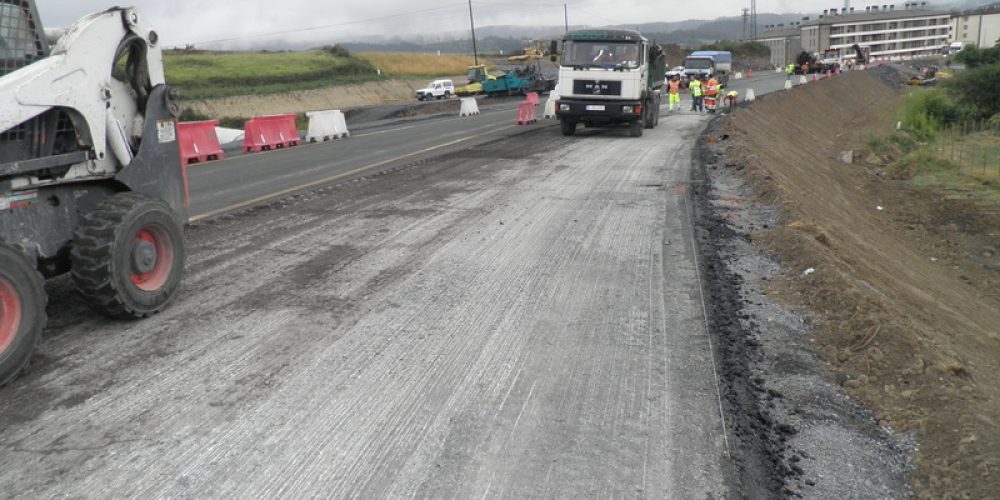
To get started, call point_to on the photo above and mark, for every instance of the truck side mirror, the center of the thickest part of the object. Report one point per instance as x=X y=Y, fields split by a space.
x=553 y=49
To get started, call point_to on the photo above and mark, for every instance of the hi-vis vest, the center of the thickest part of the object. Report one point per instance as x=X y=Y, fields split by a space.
x=713 y=88
x=675 y=87
x=695 y=88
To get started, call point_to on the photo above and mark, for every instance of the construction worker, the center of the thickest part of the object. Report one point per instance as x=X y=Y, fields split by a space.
x=711 y=95
x=674 y=88
x=731 y=97
x=789 y=71
x=696 y=94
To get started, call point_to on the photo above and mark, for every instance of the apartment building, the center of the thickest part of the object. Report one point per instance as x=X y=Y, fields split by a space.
x=890 y=32
x=979 y=27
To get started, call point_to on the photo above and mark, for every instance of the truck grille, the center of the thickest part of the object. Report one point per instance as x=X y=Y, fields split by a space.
x=596 y=87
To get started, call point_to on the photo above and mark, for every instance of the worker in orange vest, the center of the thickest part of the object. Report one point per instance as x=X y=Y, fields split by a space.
x=674 y=88
x=711 y=95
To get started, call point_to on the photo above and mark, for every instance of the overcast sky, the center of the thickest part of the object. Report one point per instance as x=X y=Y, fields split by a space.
x=182 y=22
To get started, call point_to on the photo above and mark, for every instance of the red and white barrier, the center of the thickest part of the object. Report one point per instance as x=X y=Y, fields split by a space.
x=326 y=125
x=469 y=107
x=526 y=113
x=264 y=133
x=199 y=142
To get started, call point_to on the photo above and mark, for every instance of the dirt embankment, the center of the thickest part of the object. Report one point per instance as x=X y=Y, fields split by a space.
x=904 y=280
x=339 y=97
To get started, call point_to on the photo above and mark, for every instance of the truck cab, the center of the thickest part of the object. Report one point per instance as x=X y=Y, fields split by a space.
x=609 y=77
x=709 y=63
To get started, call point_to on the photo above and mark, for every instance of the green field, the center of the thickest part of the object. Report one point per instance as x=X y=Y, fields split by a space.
x=206 y=75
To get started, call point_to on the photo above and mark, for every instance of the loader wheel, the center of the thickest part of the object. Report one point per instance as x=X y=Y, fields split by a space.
x=22 y=312
x=128 y=256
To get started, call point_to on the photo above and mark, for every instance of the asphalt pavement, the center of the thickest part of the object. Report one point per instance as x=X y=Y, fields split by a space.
x=521 y=318
x=247 y=180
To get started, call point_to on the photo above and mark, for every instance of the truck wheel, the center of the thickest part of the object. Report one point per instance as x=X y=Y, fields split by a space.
x=635 y=128
x=22 y=312
x=567 y=127
x=128 y=256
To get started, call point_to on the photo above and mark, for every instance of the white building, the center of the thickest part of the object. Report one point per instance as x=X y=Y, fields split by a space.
x=890 y=33
x=978 y=27
x=785 y=44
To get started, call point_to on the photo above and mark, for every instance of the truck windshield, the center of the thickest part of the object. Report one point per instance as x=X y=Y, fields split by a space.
x=698 y=63
x=608 y=54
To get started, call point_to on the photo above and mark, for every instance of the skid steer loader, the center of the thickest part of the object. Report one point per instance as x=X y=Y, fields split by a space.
x=91 y=181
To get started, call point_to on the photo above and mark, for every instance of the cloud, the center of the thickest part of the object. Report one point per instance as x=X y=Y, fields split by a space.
x=182 y=22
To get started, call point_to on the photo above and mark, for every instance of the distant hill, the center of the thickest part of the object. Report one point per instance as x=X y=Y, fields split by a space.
x=509 y=39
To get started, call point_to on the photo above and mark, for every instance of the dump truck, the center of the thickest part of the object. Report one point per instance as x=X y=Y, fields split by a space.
x=91 y=181
x=709 y=64
x=609 y=77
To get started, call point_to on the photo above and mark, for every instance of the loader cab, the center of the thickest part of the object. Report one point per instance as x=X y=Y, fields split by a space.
x=22 y=39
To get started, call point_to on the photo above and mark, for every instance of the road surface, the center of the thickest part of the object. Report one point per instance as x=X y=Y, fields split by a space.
x=520 y=319
x=242 y=181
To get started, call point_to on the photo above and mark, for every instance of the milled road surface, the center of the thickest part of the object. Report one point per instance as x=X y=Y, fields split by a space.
x=522 y=319
x=219 y=187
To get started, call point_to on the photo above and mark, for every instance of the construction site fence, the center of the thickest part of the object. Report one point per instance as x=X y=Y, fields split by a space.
x=972 y=145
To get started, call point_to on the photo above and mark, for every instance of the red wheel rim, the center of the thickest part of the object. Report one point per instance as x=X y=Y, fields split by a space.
x=153 y=243
x=10 y=314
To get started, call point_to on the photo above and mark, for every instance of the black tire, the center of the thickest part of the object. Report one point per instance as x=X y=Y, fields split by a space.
x=22 y=312
x=635 y=128
x=447 y=94
x=128 y=256
x=567 y=127
x=647 y=114
x=656 y=114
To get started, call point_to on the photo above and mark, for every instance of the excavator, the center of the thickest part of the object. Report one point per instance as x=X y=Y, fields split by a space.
x=91 y=181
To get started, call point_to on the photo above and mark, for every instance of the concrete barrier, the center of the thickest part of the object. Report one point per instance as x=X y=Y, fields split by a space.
x=751 y=97
x=469 y=107
x=788 y=84
x=264 y=133
x=326 y=125
x=738 y=76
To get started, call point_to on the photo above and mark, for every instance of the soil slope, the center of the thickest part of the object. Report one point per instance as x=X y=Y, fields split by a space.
x=905 y=281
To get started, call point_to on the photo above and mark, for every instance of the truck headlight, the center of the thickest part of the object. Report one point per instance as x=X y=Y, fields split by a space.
x=564 y=107
x=627 y=110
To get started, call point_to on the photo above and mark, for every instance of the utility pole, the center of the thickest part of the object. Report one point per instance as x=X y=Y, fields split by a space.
x=566 y=17
x=753 y=17
x=746 y=23
x=475 y=53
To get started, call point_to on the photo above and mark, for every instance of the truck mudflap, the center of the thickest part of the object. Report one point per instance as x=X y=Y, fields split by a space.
x=599 y=111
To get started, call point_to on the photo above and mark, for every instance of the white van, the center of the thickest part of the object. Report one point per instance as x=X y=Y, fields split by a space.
x=438 y=89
